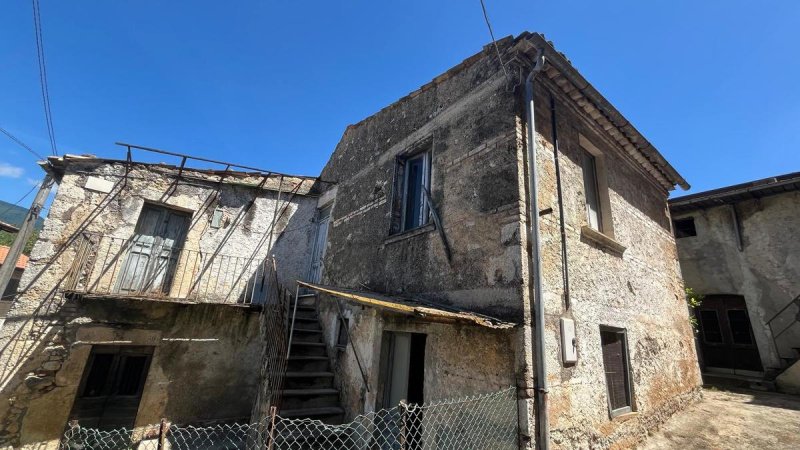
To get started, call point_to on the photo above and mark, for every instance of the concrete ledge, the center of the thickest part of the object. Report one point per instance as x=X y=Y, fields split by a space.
x=410 y=233
x=602 y=240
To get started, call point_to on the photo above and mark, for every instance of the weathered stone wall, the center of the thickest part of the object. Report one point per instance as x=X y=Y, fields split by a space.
x=766 y=272
x=466 y=119
x=484 y=363
x=474 y=124
x=639 y=290
x=41 y=355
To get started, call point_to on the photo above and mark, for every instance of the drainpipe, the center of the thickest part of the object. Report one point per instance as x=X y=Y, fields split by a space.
x=542 y=423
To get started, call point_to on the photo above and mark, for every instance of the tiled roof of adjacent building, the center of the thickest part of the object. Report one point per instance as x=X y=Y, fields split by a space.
x=22 y=261
x=737 y=192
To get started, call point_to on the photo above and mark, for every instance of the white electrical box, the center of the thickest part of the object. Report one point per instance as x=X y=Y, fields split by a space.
x=569 y=343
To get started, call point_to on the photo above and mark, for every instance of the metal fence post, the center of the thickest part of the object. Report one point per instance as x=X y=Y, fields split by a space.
x=273 y=411
x=163 y=429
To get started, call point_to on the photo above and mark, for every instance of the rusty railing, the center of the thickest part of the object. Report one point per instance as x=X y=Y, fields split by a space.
x=143 y=268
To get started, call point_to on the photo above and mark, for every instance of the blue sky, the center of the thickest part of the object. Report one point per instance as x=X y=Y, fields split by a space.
x=713 y=84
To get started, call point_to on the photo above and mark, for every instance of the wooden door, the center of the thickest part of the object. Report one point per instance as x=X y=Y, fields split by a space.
x=111 y=387
x=320 y=242
x=726 y=336
x=154 y=250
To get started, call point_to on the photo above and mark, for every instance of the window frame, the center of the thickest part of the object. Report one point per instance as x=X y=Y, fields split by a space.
x=605 y=223
x=401 y=191
x=631 y=407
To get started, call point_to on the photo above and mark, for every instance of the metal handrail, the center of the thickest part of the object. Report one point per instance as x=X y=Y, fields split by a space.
x=794 y=301
x=108 y=265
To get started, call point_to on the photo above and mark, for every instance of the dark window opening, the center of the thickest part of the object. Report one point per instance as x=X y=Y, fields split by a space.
x=684 y=227
x=740 y=326
x=412 y=181
x=615 y=364
x=709 y=323
x=112 y=386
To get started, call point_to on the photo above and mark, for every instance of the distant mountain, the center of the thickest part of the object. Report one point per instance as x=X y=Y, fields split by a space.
x=13 y=214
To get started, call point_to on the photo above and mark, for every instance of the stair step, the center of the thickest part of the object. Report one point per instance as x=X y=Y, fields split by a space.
x=306 y=319
x=301 y=307
x=309 y=374
x=308 y=343
x=306 y=295
x=307 y=330
x=308 y=392
x=308 y=358
x=312 y=412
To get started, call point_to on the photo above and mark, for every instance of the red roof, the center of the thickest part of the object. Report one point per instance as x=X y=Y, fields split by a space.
x=22 y=262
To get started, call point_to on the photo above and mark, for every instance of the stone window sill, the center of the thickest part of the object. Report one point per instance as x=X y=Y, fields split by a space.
x=602 y=240
x=427 y=228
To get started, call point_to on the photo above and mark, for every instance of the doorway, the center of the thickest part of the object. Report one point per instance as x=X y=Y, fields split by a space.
x=320 y=242
x=726 y=336
x=154 y=250
x=402 y=368
x=111 y=386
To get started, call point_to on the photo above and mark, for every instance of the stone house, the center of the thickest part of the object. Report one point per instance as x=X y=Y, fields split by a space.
x=738 y=246
x=142 y=294
x=427 y=284
x=502 y=226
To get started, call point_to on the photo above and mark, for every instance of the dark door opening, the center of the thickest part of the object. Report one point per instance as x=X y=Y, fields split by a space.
x=111 y=387
x=726 y=337
x=402 y=380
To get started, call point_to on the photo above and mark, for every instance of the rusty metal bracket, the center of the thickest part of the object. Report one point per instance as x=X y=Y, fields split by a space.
x=438 y=221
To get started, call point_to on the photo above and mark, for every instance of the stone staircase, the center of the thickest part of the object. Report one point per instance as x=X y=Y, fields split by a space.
x=309 y=390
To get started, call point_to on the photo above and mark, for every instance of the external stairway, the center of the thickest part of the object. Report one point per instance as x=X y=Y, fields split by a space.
x=309 y=390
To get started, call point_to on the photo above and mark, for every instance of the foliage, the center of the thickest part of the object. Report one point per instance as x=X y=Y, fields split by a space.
x=693 y=300
x=7 y=239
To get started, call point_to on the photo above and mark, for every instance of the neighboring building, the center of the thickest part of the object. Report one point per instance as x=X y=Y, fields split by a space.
x=141 y=298
x=11 y=289
x=425 y=237
x=740 y=247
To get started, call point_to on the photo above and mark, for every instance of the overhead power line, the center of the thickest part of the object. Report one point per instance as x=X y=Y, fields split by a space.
x=491 y=33
x=21 y=144
x=37 y=26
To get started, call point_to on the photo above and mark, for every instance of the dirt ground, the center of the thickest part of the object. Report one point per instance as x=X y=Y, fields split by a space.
x=740 y=419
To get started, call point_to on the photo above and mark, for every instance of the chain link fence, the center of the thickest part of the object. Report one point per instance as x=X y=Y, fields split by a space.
x=486 y=421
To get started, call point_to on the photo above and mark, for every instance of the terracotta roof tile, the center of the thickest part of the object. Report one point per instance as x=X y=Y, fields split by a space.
x=22 y=261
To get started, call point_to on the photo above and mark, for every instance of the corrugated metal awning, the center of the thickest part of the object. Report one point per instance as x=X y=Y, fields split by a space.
x=411 y=307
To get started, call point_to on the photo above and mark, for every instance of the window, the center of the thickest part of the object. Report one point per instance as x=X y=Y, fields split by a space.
x=591 y=189
x=740 y=327
x=709 y=322
x=615 y=365
x=684 y=227
x=412 y=185
x=112 y=386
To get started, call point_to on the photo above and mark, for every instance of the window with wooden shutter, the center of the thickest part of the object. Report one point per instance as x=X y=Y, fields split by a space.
x=615 y=365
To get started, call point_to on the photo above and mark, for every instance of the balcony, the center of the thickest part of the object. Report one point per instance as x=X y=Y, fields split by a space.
x=106 y=266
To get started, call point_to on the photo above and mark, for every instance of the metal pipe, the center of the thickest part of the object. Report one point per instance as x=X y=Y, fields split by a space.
x=559 y=194
x=542 y=422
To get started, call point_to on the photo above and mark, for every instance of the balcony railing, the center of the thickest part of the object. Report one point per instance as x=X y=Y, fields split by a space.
x=143 y=268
